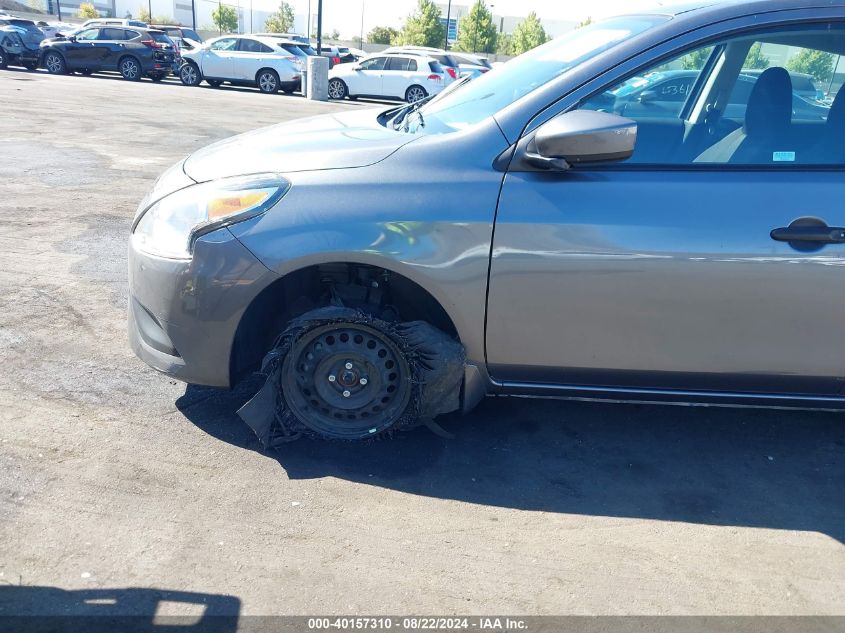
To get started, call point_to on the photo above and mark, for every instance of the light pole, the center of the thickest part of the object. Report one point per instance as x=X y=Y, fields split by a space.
x=150 y=9
x=319 y=26
x=448 y=24
x=361 y=39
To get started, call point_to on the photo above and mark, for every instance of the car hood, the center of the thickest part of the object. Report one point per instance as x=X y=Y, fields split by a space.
x=330 y=141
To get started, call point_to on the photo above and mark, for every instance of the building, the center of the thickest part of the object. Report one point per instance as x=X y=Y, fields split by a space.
x=504 y=23
x=194 y=13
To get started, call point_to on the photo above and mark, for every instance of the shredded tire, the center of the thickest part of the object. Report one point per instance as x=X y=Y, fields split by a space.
x=435 y=359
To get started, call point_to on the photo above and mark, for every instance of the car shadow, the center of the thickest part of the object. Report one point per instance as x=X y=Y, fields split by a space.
x=718 y=466
x=132 y=609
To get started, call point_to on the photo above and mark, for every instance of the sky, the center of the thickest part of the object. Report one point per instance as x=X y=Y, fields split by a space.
x=345 y=15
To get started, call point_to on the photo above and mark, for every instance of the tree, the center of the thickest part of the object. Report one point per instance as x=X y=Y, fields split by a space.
x=382 y=35
x=476 y=31
x=816 y=63
x=334 y=35
x=586 y=22
x=87 y=11
x=755 y=58
x=504 y=44
x=225 y=18
x=528 y=34
x=144 y=15
x=281 y=21
x=696 y=59
x=164 y=19
x=423 y=27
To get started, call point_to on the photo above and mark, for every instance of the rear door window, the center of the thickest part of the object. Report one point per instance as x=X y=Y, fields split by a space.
x=398 y=64
x=112 y=34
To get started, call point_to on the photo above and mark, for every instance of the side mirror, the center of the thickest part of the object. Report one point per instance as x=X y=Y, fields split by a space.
x=582 y=136
x=356 y=68
x=648 y=96
x=71 y=38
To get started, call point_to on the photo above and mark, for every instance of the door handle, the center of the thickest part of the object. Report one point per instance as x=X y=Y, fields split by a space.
x=826 y=234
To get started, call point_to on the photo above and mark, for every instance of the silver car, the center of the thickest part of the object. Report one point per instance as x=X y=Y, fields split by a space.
x=515 y=235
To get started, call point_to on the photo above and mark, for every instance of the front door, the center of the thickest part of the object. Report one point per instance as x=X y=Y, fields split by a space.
x=662 y=272
x=368 y=79
x=82 y=51
x=217 y=60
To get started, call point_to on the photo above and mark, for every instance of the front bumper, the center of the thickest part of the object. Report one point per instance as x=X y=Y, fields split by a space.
x=183 y=315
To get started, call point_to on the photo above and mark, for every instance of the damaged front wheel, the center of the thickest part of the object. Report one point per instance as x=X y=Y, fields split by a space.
x=346 y=380
x=345 y=374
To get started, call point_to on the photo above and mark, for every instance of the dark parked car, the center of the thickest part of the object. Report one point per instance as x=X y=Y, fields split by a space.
x=20 y=42
x=802 y=83
x=337 y=55
x=133 y=52
x=179 y=35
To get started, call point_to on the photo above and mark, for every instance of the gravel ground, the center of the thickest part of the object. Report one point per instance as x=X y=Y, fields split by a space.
x=115 y=478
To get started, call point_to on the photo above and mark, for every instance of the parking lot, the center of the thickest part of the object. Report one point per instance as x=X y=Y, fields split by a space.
x=114 y=477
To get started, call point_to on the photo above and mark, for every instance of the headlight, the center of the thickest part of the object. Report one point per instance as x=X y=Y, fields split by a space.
x=169 y=227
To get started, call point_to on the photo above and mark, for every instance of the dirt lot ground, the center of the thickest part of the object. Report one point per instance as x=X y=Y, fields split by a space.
x=113 y=477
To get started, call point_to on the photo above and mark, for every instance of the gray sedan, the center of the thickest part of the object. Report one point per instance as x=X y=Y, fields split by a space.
x=509 y=236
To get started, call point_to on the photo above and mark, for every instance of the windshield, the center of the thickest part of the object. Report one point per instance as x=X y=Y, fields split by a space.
x=490 y=93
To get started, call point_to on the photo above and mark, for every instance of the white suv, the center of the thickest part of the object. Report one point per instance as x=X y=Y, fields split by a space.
x=407 y=77
x=243 y=59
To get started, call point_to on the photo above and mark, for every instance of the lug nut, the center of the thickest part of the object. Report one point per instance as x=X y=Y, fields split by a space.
x=332 y=378
x=346 y=394
x=348 y=365
x=363 y=381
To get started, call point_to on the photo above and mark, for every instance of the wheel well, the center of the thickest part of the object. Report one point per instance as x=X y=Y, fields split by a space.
x=56 y=51
x=258 y=74
x=128 y=56
x=389 y=295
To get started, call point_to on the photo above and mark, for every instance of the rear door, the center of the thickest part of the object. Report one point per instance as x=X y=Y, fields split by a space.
x=248 y=58
x=110 y=46
x=662 y=272
x=397 y=76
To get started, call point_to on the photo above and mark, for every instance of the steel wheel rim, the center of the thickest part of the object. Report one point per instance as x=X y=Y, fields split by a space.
x=189 y=74
x=53 y=63
x=335 y=90
x=267 y=82
x=322 y=381
x=130 y=69
x=415 y=94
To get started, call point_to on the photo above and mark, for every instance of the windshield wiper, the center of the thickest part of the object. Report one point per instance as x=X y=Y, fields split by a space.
x=408 y=110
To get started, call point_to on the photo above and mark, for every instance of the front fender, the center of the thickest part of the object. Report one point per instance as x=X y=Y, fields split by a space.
x=426 y=212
